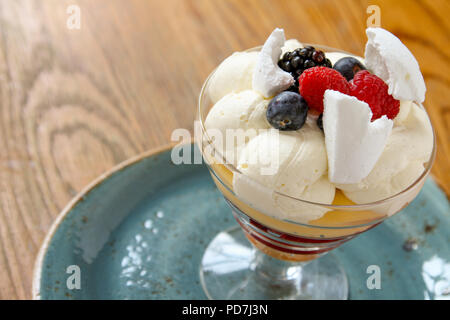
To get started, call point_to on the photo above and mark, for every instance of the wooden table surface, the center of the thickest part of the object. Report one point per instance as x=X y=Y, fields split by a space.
x=75 y=102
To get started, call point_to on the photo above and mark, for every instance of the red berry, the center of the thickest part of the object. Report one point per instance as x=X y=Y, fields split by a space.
x=369 y=88
x=314 y=81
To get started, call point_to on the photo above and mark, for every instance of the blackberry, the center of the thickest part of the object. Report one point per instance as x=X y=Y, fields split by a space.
x=309 y=64
x=297 y=61
x=318 y=56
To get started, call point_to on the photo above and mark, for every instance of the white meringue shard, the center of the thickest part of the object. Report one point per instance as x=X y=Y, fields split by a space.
x=353 y=142
x=408 y=148
x=390 y=59
x=268 y=78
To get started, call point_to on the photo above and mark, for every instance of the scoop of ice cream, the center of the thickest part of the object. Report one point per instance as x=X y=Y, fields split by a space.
x=405 y=108
x=335 y=56
x=402 y=161
x=234 y=74
x=234 y=120
x=294 y=163
x=291 y=45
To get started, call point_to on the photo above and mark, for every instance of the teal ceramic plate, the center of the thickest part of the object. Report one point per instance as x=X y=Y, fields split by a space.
x=139 y=232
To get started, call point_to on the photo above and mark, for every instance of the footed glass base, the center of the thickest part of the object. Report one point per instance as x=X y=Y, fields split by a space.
x=232 y=268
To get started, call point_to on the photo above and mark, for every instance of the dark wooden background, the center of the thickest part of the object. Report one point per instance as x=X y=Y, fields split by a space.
x=73 y=103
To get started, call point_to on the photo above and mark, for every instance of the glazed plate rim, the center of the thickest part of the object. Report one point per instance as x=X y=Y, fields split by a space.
x=37 y=270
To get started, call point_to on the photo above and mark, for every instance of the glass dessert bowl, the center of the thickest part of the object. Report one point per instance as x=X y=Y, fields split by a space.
x=273 y=257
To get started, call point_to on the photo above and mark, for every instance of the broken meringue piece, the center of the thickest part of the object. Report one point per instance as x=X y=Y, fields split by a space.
x=390 y=59
x=268 y=78
x=353 y=142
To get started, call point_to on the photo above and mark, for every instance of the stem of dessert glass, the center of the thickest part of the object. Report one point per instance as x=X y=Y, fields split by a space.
x=274 y=269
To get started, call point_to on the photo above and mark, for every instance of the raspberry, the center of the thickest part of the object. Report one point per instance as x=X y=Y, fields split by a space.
x=314 y=81
x=369 y=88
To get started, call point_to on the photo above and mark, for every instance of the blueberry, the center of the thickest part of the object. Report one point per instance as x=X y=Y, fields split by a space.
x=348 y=67
x=287 y=111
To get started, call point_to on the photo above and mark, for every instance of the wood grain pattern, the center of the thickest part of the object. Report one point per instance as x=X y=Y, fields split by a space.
x=73 y=103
